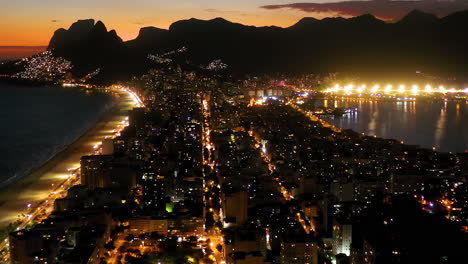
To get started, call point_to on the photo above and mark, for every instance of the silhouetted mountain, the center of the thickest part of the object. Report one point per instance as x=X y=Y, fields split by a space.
x=458 y=18
x=149 y=38
x=366 y=20
x=304 y=23
x=76 y=32
x=364 y=45
x=417 y=17
x=87 y=45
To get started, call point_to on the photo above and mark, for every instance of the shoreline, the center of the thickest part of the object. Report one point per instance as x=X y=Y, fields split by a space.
x=16 y=180
x=37 y=186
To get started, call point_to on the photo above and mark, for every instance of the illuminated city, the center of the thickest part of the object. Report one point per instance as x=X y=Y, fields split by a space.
x=394 y=91
x=339 y=139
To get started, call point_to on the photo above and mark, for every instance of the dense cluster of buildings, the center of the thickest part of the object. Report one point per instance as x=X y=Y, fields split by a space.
x=201 y=175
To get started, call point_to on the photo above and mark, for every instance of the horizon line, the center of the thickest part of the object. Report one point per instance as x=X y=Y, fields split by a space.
x=388 y=21
x=23 y=46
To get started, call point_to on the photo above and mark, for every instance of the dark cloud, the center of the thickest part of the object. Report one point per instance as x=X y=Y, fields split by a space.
x=384 y=9
x=56 y=20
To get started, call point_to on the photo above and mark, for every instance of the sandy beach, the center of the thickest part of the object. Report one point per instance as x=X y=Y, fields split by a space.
x=34 y=189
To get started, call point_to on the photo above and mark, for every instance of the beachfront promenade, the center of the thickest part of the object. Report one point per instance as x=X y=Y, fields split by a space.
x=32 y=197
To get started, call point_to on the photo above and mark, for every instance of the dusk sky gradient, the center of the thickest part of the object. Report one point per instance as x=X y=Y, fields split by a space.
x=32 y=22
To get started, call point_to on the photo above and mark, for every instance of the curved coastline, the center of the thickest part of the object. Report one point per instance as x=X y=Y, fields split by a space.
x=36 y=187
x=61 y=149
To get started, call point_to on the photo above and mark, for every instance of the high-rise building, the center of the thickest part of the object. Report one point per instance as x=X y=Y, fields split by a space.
x=342 y=238
x=123 y=178
x=141 y=225
x=155 y=190
x=235 y=207
x=100 y=171
x=343 y=191
x=27 y=247
x=108 y=146
x=136 y=117
x=92 y=170
x=298 y=251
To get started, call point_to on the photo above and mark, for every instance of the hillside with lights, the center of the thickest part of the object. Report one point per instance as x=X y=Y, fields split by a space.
x=364 y=46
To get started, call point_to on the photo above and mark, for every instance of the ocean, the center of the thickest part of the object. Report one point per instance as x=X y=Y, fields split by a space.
x=39 y=122
x=439 y=124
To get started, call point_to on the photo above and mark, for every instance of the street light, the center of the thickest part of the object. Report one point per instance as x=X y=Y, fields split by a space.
x=388 y=89
x=415 y=90
x=401 y=89
x=428 y=89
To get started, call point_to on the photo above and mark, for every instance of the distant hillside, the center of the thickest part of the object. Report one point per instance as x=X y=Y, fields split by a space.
x=363 y=45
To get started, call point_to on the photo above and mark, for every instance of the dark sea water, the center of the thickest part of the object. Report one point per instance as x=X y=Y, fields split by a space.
x=440 y=124
x=38 y=122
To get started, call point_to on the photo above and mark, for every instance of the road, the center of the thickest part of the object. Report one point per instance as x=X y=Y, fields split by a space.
x=215 y=235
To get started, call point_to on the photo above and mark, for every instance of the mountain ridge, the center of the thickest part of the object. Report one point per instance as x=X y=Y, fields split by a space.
x=329 y=44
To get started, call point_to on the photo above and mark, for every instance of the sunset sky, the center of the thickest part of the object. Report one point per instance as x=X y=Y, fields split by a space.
x=32 y=22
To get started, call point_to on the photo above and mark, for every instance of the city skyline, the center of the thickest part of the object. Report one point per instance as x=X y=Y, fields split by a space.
x=151 y=132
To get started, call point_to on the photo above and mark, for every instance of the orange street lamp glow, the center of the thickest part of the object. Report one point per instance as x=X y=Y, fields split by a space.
x=428 y=89
x=388 y=89
x=415 y=90
x=401 y=89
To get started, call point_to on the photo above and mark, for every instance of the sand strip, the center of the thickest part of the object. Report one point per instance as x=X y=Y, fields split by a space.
x=36 y=187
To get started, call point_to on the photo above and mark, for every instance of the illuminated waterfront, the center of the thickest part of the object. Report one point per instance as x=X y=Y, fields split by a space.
x=398 y=92
x=32 y=198
x=426 y=123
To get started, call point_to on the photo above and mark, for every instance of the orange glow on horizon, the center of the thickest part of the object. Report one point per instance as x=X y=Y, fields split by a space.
x=10 y=52
x=22 y=30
